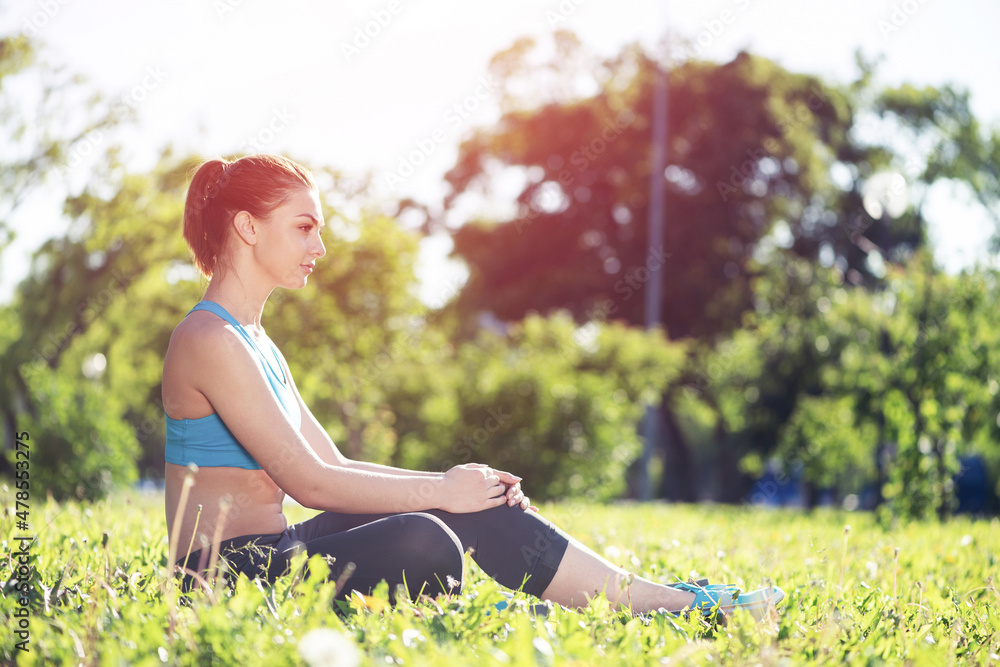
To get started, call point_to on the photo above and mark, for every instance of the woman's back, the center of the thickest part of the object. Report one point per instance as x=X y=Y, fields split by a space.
x=254 y=499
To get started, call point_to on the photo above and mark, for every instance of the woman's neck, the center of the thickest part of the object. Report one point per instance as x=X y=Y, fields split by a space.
x=238 y=299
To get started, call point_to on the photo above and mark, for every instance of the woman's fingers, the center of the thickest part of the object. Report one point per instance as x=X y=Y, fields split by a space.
x=506 y=477
x=526 y=505
x=501 y=486
x=515 y=497
x=471 y=488
x=495 y=487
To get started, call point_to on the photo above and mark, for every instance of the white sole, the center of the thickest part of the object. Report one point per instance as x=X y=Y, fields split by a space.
x=758 y=602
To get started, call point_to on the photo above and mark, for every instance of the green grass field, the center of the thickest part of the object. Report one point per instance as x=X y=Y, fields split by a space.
x=923 y=594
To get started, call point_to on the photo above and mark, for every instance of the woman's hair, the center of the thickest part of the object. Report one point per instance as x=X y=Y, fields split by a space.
x=219 y=190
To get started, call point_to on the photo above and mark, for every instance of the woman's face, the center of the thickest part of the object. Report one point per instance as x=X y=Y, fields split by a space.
x=290 y=240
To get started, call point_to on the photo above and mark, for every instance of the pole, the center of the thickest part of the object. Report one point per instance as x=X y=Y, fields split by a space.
x=657 y=212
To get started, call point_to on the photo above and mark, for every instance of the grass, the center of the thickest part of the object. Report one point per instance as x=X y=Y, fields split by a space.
x=922 y=594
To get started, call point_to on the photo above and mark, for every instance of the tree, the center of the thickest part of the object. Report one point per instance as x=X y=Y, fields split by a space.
x=759 y=159
x=933 y=384
x=35 y=150
x=888 y=390
x=547 y=400
x=752 y=147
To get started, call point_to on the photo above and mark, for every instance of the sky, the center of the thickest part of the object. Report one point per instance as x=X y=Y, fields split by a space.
x=360 y=84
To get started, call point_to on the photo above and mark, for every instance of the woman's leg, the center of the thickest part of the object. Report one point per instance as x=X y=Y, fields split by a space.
x=583 y=574
x=414 y=548
x=522 y=550
x=510 y=544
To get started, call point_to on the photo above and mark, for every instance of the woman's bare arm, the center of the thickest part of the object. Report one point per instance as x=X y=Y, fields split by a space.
x=225 y=371
x=327 y=451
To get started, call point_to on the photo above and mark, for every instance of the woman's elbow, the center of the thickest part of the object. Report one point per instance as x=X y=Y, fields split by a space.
x=312 y=495
x=306 y=485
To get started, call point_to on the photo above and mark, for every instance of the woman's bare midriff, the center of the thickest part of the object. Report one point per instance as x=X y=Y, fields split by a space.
x=254 y=505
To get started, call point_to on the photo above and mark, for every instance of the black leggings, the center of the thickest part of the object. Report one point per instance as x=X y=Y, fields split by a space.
x=518 y=548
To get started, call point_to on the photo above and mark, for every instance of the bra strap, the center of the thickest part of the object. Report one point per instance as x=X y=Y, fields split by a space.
x=215 y=308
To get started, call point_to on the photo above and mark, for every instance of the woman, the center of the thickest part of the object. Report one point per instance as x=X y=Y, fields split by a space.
x=233 y=410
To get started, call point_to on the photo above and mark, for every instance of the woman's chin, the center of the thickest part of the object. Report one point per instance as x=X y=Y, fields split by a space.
x=295 y=283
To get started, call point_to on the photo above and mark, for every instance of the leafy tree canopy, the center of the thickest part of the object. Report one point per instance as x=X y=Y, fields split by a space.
x=758 y=157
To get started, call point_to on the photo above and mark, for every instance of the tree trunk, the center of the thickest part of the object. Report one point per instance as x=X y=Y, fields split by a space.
x=944 y=478
x=728 y=483
x=677 y=483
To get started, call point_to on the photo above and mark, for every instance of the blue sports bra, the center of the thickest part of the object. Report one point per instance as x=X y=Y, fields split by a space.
x=207 y=441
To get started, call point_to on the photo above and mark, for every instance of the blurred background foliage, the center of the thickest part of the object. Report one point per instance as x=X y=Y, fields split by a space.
x=807 y=332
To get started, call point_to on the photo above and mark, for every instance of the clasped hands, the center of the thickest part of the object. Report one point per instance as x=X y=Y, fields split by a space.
x=472 y=487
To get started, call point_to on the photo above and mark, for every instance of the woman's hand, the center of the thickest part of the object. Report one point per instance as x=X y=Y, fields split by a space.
x=512 y=487
x=471 y=488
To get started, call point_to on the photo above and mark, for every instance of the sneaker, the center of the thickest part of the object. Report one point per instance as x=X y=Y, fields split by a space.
x=757 y=602
x=725 y=598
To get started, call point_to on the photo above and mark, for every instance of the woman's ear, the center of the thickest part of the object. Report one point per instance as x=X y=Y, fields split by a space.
x=246 y=227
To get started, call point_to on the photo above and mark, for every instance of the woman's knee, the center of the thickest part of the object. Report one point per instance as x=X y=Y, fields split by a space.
x=431 y=552
x=424 y=535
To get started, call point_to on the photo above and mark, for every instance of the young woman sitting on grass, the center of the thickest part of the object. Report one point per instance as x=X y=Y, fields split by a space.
x=232 y=409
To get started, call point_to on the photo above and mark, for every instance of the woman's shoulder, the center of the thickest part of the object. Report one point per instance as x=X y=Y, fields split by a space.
x=198 y=336
x=189 y=360
x=197 y=325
